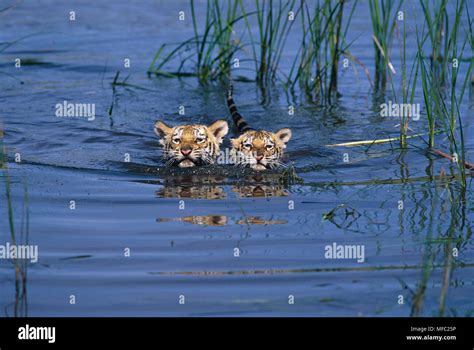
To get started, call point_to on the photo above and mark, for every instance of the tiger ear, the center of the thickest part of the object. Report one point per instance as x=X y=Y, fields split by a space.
x=219 y=129
x=162 y=130
x=283 y=135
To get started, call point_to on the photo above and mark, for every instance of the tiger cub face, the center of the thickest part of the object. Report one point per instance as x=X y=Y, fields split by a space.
x=260 y=150
x=191 y=145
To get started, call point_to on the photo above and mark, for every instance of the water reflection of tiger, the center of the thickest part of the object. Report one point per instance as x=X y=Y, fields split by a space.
x=209 y=187
x=208 y=220
x=260 y=186
x=222 y=220
x=192 y=187
x=259 y=191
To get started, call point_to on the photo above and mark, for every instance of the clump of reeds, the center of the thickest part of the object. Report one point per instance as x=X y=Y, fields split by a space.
x=273 y=26
x=212 y=48
x=209 y=51
x=315 y=68
x=383 y=15
x=408 y=83
x=437 y=26
x=442 y=102
x=324 y=23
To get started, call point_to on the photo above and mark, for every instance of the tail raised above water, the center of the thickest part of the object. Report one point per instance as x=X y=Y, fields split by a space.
x=239 y=121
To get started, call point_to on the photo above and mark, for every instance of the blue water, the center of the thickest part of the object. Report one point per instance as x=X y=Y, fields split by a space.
x=280 y=230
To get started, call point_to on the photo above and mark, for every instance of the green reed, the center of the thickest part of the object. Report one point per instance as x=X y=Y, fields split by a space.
x=408 y=85
x=437 y=23
x=210 y=50
x=215 y=50
x=433 y=76
x=315 y=67
x=452 y=231
x=273 y=26
x=442 y=102
x=20 y=266
x=383 y=14
x=7 y=181
x=324 y=26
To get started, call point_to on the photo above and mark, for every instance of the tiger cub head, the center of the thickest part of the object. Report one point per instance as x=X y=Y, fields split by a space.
x=191 y=145
x=260 y=150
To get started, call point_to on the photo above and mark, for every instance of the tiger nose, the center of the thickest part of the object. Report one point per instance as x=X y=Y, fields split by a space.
x=186 y=151
x=259 y=158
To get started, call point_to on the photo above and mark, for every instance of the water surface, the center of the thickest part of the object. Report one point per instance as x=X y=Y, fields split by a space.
x=182 y=229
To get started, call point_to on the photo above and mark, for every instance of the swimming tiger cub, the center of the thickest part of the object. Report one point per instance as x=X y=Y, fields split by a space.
x=191 y=145
x=258 y=150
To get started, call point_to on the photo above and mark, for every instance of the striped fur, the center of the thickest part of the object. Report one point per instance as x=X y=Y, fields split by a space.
x=191 y=145
x=239 y=121
x=258 y=150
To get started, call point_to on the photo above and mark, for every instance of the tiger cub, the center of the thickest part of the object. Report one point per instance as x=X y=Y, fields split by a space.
x=191 y=145
x=258 y=150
